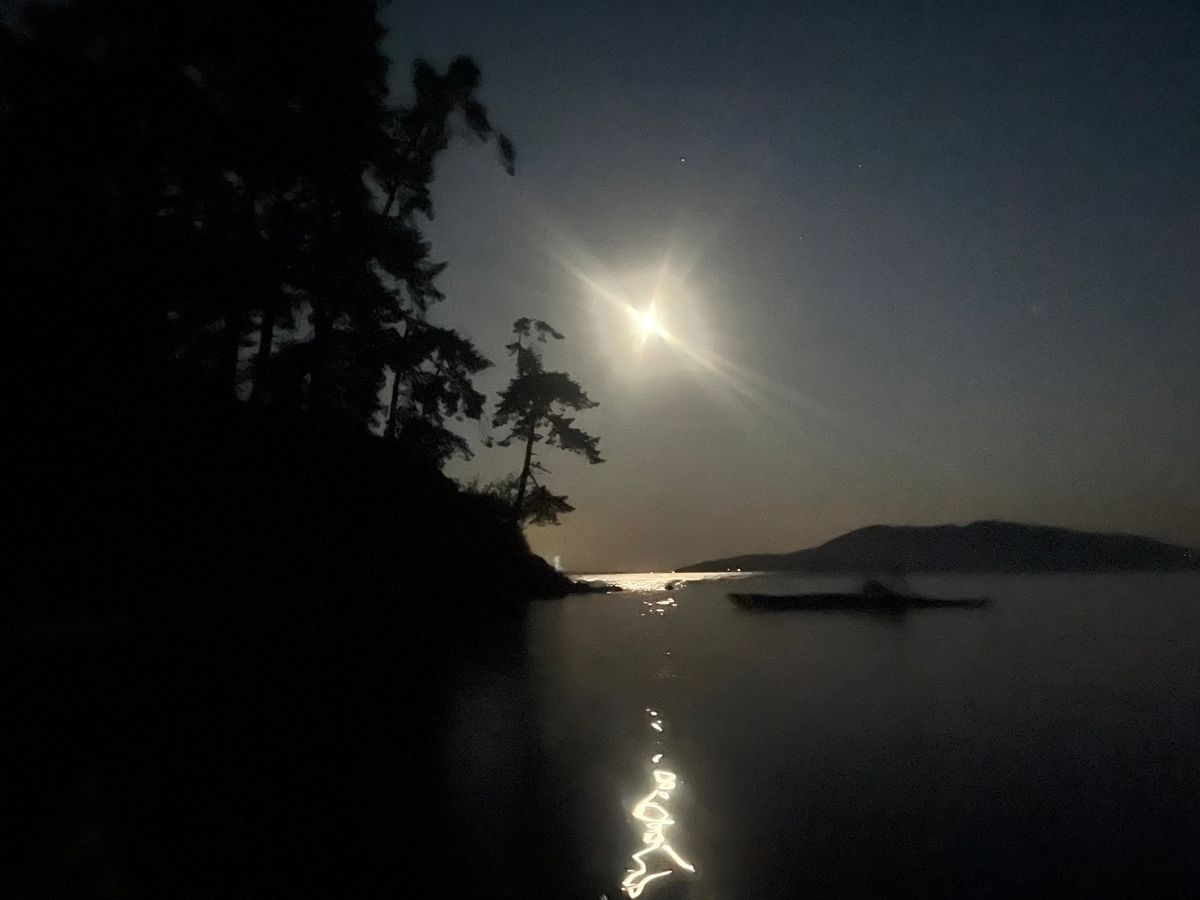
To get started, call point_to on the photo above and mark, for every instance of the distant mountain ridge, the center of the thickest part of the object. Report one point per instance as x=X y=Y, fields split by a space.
x=986 y=546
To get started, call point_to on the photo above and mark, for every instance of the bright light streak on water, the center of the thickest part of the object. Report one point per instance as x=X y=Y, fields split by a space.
x=657 y=858
x=656 y=819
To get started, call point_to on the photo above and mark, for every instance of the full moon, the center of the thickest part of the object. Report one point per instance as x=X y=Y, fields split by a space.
x=648 y=325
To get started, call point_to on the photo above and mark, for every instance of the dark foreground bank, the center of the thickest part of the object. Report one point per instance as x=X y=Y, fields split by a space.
x=300 y=756
x=231 y=664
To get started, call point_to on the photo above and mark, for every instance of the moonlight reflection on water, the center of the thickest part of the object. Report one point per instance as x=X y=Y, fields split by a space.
x=657 y=858
x=657 y=819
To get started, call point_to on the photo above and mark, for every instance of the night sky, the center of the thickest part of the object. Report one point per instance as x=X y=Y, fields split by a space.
x=919 y=263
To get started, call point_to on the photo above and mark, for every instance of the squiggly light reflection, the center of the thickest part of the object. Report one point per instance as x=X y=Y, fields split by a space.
x=657 y=819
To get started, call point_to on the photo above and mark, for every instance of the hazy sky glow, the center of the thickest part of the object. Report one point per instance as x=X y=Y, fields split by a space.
x=918 y=264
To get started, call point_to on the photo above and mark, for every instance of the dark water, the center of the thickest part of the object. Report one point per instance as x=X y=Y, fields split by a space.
x=1047 y=746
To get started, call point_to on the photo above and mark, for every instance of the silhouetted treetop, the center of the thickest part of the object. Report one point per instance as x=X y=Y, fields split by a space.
x=421 y=131
x=535 y=409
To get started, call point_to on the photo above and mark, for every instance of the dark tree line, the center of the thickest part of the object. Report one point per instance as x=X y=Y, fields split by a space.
x=212 y=217
x=229 y=187
x=244 y=572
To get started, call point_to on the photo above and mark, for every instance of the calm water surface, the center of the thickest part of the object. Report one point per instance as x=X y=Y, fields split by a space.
x=672 y=745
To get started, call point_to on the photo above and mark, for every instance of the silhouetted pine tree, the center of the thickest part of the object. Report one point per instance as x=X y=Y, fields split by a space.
x=534 y=408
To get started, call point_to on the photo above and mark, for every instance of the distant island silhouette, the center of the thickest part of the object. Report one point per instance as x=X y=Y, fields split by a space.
x=979 y=547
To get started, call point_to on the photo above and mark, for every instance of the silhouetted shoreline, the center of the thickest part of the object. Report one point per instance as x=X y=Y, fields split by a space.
x=995 y=547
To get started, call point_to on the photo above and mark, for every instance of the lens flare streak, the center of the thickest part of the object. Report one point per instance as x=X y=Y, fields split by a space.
x=787 y=410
